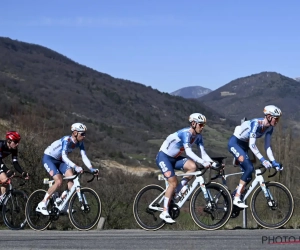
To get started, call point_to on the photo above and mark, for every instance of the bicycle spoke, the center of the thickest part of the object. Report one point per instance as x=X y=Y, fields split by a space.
x=146 y=217
x=273 y=213
x=212 y=214
x=13 y=210
x=85 y=215
x=36 y=220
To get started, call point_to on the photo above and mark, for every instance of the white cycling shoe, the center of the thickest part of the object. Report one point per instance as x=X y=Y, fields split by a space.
x=237 y=201
x=166 y=217
x=42 y=208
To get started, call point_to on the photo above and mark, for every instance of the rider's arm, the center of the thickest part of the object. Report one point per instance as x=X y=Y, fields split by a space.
x=268 y=145
x=85 y=159
x=64 y=154
x=189 y=152
x=204 y=155
x=3 y=166
x=252 y=140
x=14 y=157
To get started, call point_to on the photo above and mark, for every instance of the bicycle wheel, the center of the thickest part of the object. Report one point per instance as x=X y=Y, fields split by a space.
x=86 y=214
x=276 y=212
x=13 y=210
x=216 y=214
x=36 y=220
x=145 y=217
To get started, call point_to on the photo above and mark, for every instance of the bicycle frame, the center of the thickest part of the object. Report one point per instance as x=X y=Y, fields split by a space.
x=75 y=188
x=258 y=180
x=199 y=180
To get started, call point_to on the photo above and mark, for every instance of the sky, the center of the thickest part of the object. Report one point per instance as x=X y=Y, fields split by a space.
x=165 y=44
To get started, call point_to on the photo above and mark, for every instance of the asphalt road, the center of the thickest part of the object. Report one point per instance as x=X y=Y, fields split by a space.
x=162 y=239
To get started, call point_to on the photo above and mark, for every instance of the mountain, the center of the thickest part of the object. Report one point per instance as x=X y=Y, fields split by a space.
x=297 y=79
x=191 y=92
x=44 y=92
x=247 y=96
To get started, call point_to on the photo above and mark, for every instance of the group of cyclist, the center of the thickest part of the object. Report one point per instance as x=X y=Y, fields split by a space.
x=244 y=138
x=55 y=160
x=57 y=163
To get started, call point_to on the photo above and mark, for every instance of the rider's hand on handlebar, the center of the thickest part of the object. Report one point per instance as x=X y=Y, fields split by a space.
x=94 y=171
x=206 y=164
x=265 y=163
x=78 y=169
x=277 y=165
x=25 y=175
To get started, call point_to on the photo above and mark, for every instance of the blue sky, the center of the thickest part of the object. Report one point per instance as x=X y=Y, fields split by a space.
x=165 y=44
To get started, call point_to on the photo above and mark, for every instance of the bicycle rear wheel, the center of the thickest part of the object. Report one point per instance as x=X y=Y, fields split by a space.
x=36 y=220
x=216 y=213
x=277 y=211
x=13 y=210
x=145 y=217
x=86 y=214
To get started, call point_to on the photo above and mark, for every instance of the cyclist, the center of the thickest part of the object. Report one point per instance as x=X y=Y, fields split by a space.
x=168 y=158
x=57 y=163
x=244 y=137
x=7 y=147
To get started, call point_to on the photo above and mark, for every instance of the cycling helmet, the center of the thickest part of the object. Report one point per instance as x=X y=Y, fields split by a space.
x=272 y=110
x=78 y=127
x=13 y=136
x=197 y=117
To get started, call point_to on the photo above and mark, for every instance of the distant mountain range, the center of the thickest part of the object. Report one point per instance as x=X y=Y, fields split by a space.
x=191 y=92
x=297 y=79
x=248 y=95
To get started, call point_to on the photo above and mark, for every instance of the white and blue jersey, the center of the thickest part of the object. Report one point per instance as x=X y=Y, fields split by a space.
x=56 y=155
x=243 y=138
x=250 y=130
x=169 y=156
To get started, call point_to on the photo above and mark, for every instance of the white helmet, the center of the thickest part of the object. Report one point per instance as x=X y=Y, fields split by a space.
x=197 y=117
x=272 y=110
x=78 y=127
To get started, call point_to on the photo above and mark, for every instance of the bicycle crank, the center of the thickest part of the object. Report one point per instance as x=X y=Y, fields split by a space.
x=174 y=211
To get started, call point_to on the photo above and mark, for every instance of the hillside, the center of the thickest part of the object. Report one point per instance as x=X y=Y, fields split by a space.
x=247 y=96
x=191 y=92
x=43 y=92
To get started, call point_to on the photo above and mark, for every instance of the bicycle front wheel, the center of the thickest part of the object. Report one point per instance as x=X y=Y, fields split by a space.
x=146 y=217
x=36 y=220
x=276 y=211
x=13 y=210
x=214 y=213
x=86 y=214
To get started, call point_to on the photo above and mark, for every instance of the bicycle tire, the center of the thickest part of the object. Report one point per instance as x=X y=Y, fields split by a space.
x=145 y=217
x=85 y=216
x=36 y=220
x=272 y=217
x=215 y=216
x=13 y=210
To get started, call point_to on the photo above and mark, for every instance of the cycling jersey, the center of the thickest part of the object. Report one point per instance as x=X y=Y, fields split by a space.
x=248 y=131
x=60 y=149
x=182 y=140
x=4 y=152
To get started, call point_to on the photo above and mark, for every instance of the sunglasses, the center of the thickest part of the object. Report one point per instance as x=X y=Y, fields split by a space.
x=201 y=125
x=10 y=141
x=276 y=118
x=81 y=133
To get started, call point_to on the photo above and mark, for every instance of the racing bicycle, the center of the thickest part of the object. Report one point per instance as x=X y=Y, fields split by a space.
x=210 y=203
x=83 y=206
x=13 y=204
x=271 y=205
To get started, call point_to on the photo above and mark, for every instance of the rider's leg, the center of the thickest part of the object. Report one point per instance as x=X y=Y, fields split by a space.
x=239 y=150
x=189 y=166
x=3 y=179
x=50 y=164
x=164 y=163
